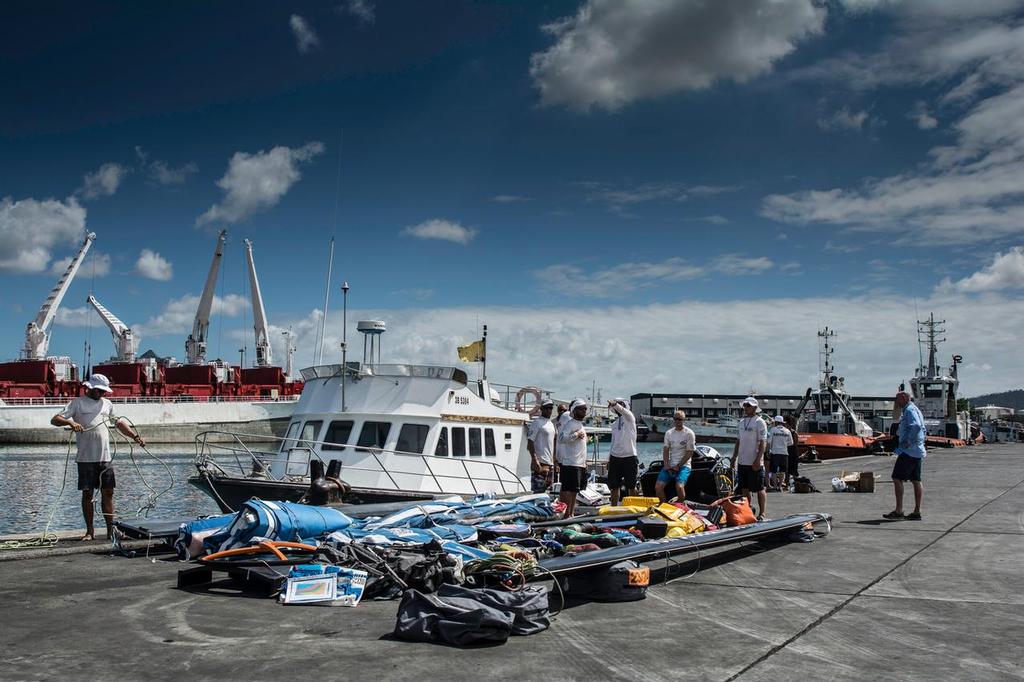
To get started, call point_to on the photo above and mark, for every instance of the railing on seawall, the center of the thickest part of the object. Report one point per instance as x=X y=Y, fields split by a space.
x=251 y=463
x=153 y=400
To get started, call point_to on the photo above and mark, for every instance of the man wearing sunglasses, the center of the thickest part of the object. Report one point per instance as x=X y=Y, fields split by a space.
x=676 y=454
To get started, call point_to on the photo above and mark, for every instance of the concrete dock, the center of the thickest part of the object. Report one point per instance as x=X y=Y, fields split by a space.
x=941 y=598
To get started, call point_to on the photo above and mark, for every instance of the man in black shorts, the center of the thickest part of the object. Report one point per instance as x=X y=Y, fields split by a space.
x=622 y=461
x=572 y=456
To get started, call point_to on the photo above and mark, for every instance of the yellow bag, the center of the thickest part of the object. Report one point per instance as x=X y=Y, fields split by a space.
x=635 y=501
x=670 y=511
x=686 y=525
x=609 y=510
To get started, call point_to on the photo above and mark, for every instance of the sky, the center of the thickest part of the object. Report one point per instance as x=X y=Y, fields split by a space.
x=639 y=195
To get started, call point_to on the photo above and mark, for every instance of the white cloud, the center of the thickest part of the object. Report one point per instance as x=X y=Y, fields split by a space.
x=614 y=52
x=305 y=37
x=720 y=345
x=256 y=182
x=1005 y=272
x=833 y=247
x=508 y=199
x=363 y=10
x=30 y=229
x=76 y=317
x=844 y=119
x=437 y=228
x=923 y=119
x=179 y=313
x=625 y=278
x=161 y=173
x=96 y=264
x=152 y=265
x=102 y=182
x=620 y=198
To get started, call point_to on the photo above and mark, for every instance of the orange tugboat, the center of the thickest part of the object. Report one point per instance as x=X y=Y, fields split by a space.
x=830 y=429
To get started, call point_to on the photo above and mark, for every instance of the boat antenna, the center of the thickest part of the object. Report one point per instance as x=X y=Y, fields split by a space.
x=344 y=340
x=485 y=355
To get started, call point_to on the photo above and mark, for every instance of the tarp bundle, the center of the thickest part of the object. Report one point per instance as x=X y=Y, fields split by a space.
x=276 y=521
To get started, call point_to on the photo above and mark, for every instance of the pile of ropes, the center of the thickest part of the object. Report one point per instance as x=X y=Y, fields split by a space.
x=47 y=538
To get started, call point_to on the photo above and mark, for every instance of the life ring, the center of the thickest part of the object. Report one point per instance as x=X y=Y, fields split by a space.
x=523 y=392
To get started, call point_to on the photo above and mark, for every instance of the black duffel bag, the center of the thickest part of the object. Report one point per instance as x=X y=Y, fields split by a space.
x=462 y=617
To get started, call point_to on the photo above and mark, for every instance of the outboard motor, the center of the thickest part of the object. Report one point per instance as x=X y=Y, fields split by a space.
x=325 y=487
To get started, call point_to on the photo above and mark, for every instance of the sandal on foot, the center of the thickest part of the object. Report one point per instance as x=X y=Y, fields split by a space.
x=894 y=516
x=913 y=516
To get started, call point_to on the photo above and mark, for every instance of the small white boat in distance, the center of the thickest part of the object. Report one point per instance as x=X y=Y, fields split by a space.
x=720 y=430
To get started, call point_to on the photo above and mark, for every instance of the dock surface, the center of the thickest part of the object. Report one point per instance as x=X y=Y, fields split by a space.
x=940 y=598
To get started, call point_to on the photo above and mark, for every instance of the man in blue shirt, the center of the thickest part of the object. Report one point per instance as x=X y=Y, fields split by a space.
x=910 y=455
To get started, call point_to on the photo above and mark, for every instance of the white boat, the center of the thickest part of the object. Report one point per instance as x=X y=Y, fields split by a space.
x=720 y=430
x=399 y=432
x=935 y=391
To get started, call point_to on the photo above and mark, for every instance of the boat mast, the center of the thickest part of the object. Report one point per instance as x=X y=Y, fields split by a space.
x=927 y=333
x=195 y=345
x=259 y=314
x=126 y=344
x=37 y=333
x=825 y=356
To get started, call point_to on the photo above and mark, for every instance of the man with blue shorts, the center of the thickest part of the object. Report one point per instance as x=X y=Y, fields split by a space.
x=676 y=454
x=910 y=454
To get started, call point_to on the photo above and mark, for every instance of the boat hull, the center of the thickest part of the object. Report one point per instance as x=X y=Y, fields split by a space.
x=157 y=421
x=834 y=446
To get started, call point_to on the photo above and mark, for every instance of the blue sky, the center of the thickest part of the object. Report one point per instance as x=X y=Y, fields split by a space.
x=654 y=196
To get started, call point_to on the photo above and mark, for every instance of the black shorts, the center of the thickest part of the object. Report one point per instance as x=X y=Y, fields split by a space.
x=622 y=472
x=907 y=468
x=748 y=479
x=780 y=463
x=573 y=479
x=92 y=475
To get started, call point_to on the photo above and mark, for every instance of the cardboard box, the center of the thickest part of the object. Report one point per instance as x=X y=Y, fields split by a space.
x=859 y=481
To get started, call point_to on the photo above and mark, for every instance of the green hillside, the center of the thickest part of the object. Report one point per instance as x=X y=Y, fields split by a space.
x=1014 y=399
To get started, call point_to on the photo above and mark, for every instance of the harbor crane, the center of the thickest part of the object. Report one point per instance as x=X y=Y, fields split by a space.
x=259 y=314
x=195 y=344
x=126 y=344
x=37 y=333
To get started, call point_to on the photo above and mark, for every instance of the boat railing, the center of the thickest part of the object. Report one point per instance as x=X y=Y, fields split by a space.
x=153 y=400
x=252 y=463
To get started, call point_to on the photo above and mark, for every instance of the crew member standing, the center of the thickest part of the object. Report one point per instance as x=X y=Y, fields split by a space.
x=87 y=416
x=572 y=455
x=622 y=461
x=540 y=441
x=779 y=439
x=748 y=456
x=676 y=454
x=910 y=453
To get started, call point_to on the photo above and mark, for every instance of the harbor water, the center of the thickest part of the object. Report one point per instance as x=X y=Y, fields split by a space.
x=32 y=477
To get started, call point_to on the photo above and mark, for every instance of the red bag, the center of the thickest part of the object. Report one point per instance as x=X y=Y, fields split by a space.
x=737 y=510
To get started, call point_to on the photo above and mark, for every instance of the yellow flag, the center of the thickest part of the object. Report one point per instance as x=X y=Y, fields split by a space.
x=472 y=352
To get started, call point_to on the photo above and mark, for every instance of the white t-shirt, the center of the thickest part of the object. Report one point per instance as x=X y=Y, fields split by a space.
x=623 y=433
x=542 y=433
x=779 y=440
x=572 y=451
x=752 y=430
x=93 y=443
x=678 y=442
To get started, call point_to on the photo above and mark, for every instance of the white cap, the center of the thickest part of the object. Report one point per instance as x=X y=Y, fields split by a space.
x=548 y=402
x=780 y=419
x=98 y=381
x=577 y=403
x=749 y=400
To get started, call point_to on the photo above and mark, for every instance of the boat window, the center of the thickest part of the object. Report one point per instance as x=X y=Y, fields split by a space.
x=374 y=434
x=489 y=448
x=442 y=442
x=310 y=431
x=458 y=441
x=289 y=439
x=412 y=438
x=337 y=435
x=474 y=443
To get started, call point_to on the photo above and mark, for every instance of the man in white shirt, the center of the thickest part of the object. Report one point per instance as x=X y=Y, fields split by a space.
x=748 y=455
x=622 y=460
x=572 y=455
x=676 y=454
x=540 y=441
x=779 y=440
x=87 y=416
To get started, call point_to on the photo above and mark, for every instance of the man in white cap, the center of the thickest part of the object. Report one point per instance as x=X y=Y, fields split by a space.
x=676 y=455
x=748 y=455
x=622 y=461
x=572 y=455
x=540 y=441
x=779 y=440
x=87 y=416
